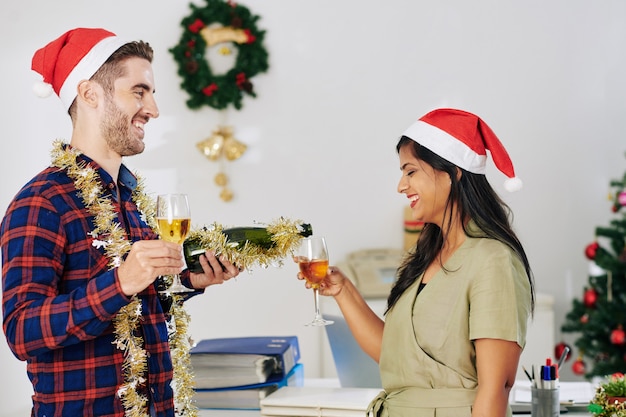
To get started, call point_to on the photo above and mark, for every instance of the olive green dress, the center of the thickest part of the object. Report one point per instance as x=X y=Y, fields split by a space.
x=428 y=359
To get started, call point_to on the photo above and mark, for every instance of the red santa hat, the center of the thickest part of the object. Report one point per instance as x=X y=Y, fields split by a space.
x=463 y=139
x=73 y=57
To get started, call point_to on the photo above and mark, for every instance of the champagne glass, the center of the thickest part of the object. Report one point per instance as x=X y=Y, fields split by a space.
x=312 y=258
x=174 y=220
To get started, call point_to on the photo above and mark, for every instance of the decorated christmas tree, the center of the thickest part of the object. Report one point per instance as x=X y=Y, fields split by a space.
x=599 y=317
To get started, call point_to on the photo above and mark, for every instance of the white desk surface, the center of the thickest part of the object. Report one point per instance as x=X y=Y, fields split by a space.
x=331 y=383
x=257 y=413
x=229 y=413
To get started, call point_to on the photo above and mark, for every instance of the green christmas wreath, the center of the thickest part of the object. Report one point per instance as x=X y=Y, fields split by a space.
x=218 y=22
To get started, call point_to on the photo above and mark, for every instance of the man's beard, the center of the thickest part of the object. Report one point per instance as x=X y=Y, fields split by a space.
x=116 y=129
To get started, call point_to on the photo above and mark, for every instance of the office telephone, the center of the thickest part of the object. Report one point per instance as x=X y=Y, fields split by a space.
x=373 y=271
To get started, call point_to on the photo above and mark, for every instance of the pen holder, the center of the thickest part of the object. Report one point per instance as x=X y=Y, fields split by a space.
x=545 y=402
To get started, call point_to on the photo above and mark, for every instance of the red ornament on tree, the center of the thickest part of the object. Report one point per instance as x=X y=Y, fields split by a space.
x=558 y=351
x=590 y=297
x=584 y=319
x=590 y=250
x=579 y=367
x=618 y=337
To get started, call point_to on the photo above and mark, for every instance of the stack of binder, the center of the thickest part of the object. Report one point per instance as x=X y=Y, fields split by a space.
x=237 y=373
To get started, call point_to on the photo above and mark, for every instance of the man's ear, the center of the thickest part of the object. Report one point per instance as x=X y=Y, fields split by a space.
x=88 y=92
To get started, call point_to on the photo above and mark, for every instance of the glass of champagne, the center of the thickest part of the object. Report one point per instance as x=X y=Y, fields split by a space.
x=174 y=220
x=312 y=258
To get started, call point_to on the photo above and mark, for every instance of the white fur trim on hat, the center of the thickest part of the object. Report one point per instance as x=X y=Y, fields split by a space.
x=87 y=67
x=447 y=146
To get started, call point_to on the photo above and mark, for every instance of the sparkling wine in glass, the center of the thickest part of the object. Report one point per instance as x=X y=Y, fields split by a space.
x=312 y=258
x=174 y=220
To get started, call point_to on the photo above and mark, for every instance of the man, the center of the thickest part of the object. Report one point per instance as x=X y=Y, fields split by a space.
x=80 y=260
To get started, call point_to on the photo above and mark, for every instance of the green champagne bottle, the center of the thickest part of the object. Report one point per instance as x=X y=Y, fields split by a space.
x=244 y=244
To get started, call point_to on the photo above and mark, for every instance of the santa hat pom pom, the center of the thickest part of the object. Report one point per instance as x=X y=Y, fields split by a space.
x=513 y=184
x=42 y=89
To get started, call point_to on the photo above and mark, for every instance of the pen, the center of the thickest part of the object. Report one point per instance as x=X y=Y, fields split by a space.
x=563 y=356
x=556 y=377
x=528 y=375
x=538 y=380
x=545 y=377
x=548 y=375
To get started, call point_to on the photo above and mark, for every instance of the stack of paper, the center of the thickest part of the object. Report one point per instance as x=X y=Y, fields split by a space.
x=318 y=402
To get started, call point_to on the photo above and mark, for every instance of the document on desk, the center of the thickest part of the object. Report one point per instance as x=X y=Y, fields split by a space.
x=570 y=393
x=318 y=402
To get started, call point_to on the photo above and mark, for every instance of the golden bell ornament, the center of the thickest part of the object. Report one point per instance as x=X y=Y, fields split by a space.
x=212 y=147
x=222 y=143
x=233 y=149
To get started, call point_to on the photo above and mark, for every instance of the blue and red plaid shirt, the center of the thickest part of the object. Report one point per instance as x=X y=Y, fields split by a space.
x=59 y=299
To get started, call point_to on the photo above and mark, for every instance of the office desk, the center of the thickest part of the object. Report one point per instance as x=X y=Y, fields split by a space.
x=229 y=413
x=579 y=411
x=333 y=382
x=257 y=413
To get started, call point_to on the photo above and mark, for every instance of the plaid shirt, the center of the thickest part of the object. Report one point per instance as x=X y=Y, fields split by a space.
x=59 y=298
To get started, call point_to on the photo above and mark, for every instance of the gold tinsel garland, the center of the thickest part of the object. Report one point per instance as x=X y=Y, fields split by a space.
x=600 y=406
x=108 y=234
x=285 y=235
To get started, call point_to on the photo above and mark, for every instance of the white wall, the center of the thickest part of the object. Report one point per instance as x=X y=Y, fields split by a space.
x=345 y=79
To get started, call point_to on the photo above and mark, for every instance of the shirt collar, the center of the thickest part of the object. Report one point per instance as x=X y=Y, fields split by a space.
x=125 y=177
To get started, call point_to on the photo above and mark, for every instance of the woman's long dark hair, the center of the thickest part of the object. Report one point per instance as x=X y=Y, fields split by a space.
x=476 y=200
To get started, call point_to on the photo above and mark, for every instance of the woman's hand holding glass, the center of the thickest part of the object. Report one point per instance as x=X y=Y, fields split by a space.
x=331 y=285
x=312 y=258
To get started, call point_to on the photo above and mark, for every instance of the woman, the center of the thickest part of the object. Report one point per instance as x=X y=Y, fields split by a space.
x=456 y=318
